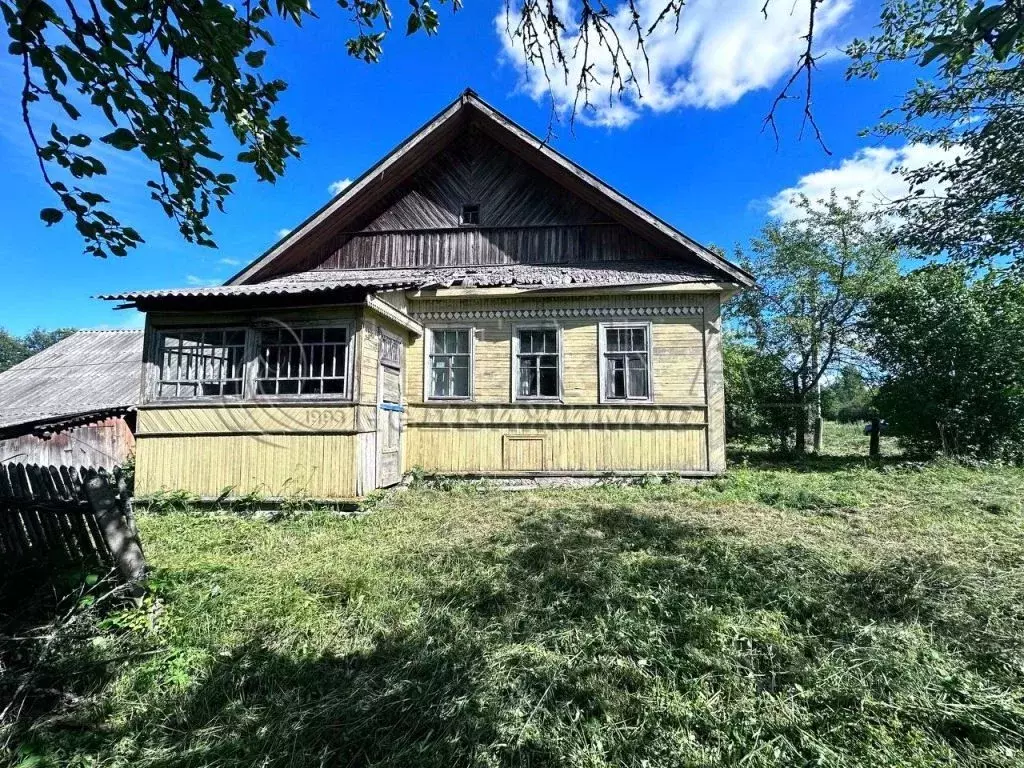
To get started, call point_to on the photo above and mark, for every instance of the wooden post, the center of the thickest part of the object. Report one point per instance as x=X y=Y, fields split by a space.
x=876 y=430
x=117 y=532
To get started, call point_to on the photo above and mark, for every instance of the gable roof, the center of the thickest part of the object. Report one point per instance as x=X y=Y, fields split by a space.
x=403 y=161
x=89 y=372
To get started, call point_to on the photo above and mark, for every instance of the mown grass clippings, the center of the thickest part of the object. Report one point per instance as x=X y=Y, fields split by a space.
x=849 y=615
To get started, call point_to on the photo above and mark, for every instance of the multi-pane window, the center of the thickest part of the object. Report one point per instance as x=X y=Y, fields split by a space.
x=304 y=361
x=627 y=363
x=201 y=363
x=537 y=363
x=450 y=362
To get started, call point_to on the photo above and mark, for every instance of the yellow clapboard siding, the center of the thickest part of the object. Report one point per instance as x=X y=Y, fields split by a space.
x=253 y=418
x=566 y=449
x=459 y=414
x=317 y=466
x=678 y=355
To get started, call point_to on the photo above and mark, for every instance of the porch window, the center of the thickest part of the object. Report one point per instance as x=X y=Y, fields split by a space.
x=303 y=361
x=450 y=363
x=201 y=363
x=536 y=363
x=626 y=362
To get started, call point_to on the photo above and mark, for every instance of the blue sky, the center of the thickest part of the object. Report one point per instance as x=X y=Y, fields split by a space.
x=693 y=153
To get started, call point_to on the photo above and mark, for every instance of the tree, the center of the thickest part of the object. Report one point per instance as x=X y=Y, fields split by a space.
x=757 y=396
x=848 y=398
x=37 y=339
x=815 y=279
x=14 y=349
x=951 y=347
x=968 y=203
x=160 y=75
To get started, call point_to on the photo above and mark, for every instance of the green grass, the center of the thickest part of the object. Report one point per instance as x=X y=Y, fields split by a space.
x=827 y=613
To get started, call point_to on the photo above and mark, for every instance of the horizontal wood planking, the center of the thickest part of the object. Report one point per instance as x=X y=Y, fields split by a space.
x=565 y=449
x=255 y=419
x=526 y=414
x=678 y=364
x=314 y=466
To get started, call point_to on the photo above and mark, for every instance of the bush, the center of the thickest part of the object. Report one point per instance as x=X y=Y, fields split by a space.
x=952 y=349
x=758 y=400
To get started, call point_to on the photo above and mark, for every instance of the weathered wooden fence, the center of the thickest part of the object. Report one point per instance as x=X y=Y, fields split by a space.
x=63 y=514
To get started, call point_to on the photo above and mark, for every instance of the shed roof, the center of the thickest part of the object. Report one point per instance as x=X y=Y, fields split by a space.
x=88 y=372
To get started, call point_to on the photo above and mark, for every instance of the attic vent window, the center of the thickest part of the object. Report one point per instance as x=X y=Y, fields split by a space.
x=471 y=215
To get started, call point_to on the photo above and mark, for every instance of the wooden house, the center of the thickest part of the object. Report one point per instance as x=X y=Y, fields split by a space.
x=73 y=404
x=474 y=304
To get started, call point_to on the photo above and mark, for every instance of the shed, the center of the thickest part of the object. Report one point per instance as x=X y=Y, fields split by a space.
x=73 y=404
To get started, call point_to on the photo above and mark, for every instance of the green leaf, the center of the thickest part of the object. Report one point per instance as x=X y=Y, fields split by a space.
x=255 y=58
x=122 y=138
x=414 y=24
x=51 y=216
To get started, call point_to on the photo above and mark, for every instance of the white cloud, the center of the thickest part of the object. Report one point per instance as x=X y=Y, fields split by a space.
x=336 y=187
x=723 y=49
x=872 y=173
x=198 y=281
x=229 y=262
x=282 y=233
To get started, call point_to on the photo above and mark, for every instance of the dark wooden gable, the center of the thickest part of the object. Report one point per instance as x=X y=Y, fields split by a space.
x=535 y=207
x=476 y=170
x=524 y=218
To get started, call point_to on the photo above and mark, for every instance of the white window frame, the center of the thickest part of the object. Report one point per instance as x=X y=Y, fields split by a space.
x=602 y=342
x=350 y=355
x=428 y=349
x=158 y=363
x=537 y=326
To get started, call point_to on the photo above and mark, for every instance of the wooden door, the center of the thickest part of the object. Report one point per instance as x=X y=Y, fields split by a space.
x=390 y=409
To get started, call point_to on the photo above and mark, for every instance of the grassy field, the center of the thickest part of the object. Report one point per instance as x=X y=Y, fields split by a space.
x=826 y=613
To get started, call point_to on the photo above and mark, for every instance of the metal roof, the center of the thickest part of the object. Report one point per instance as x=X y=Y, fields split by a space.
x=487 y=276
x=89 y=371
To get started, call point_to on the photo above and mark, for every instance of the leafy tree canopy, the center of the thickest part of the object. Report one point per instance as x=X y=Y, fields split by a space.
x=14 y=349
x=951 y=349
x=157 y=74
x=815 y=279
x=968 y=203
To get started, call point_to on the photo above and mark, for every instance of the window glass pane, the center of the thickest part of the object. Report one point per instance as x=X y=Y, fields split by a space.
x=460 y=382
x=638 y=342
x=615 y=382
x=462 y=341
x=440 y=379
x=197 y=363
x=637 y=375
x=549 y=382
x=309 y=361
x=527 y=378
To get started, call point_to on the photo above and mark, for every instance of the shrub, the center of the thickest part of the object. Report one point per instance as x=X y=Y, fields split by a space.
x=952 y=350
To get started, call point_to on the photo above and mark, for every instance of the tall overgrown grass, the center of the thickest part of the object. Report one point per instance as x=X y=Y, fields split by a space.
x=834 y=614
